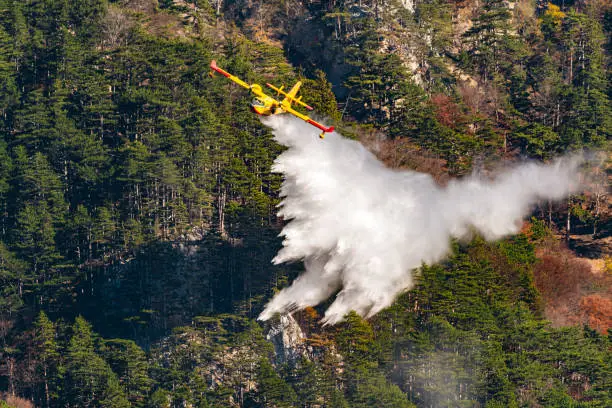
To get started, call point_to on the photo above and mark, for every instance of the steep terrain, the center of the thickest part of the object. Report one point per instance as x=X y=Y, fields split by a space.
x=139 y=208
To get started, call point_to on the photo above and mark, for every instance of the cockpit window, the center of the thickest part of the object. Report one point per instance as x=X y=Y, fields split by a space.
x=257 y=102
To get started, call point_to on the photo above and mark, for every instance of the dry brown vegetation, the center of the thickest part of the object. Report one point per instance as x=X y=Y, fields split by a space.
x=447 y=111
x=403 y=154
x=16 y=402
x=116 y=27
x=573 y=292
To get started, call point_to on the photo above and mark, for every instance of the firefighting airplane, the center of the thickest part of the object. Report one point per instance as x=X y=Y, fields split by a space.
x=265 y=105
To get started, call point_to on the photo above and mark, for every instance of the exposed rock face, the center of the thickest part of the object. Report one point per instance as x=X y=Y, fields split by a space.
x=236 y=366
x=408 y=4
x=233 y=366
x=287 y=338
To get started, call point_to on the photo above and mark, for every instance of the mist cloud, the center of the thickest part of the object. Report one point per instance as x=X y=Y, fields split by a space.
x=362 y=228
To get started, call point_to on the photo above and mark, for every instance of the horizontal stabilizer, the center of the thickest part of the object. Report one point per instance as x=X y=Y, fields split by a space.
x=290 y=97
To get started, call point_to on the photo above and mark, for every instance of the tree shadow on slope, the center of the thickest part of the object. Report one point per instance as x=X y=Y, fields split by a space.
x=166 y=284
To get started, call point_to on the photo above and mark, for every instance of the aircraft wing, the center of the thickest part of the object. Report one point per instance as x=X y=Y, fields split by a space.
x=254 y=88
x=307 y=119
x=215 y=68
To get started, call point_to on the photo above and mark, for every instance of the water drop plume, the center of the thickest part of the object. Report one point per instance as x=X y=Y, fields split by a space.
x=361 y=229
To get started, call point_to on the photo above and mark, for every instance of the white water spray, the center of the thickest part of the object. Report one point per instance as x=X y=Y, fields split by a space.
x=363 y=228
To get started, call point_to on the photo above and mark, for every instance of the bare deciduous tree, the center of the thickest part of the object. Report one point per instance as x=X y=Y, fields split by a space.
x=116 y=27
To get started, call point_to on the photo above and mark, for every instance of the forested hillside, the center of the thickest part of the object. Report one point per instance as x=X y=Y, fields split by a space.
x=139 y=208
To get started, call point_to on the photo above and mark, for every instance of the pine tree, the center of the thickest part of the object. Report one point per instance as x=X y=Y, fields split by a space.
x=582 y=113
x=309 y=384
x=432 y=38
x=13 y=278
x=40 y=209
x=81 y=158
x=318 y=93
x=6 y=167
x=47 y=354
x=80 y=234
x=85 y=16
x=47 y=21
x=89 y=380
x=536 y=140
x=94 y=89
x=35 y=242
x=38 y=183
x=273 y=390
x=373 y=389
x=366 y=83
x=8 y=83
x=355 y=341
x=130 y=364
x=104 y=231
x=489 y=38
x=33 y=123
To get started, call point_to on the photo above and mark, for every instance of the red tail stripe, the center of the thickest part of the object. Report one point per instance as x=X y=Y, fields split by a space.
x=320 y=126
x=213 y=65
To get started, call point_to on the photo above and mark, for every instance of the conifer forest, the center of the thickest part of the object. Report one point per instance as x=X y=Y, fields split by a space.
x=139 y=208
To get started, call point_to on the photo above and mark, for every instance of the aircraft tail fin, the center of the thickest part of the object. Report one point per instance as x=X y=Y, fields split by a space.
x=293 y=92
x=290 y=97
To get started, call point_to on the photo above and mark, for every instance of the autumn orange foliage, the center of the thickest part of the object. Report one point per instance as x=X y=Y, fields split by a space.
x=597 y=310
x=447 y=111
x=572 y=292
x=316 y=335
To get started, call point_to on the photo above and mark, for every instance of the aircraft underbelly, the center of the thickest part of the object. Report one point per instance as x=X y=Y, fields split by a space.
x=260 y=110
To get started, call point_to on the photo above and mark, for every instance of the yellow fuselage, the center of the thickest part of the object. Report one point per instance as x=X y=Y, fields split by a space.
x=266 y=109
x=267 y=106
